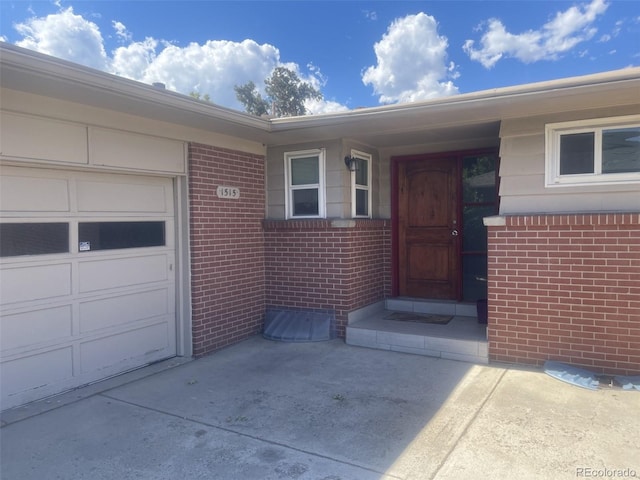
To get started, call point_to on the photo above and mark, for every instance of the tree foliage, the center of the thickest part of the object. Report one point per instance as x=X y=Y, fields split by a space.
x=253 y=102
x=286 y=95
x=198 y=96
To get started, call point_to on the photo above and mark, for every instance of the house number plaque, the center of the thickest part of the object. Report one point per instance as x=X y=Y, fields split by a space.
x=228 y=192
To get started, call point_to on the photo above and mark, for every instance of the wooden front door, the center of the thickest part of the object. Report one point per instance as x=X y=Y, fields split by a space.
x=428 y=228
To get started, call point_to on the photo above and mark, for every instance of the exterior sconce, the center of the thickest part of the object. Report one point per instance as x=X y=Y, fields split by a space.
x=350 y=162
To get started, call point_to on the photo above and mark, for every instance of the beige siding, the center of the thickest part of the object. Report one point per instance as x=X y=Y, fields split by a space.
x=84 y=116
x=337 y=178
x=522 y=168
x=334 y=181
x=42 y=138
x=115 y=148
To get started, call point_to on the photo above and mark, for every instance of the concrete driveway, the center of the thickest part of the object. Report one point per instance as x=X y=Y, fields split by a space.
x=268 y=410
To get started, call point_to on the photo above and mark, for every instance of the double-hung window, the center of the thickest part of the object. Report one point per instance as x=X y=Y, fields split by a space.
x=593 y=152
x=305 y=197
x=361 y=185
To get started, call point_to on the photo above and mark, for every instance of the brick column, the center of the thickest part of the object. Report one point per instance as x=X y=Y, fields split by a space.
x=227 y=246
x=567 y=288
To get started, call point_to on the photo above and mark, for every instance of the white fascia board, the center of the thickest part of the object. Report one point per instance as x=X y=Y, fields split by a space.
x=491 y=101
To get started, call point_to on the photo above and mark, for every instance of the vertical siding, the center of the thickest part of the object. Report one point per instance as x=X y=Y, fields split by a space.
x=227 y=250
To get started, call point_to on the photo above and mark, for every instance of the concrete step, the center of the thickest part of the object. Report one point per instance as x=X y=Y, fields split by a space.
x=437 y=307
x=461 y=339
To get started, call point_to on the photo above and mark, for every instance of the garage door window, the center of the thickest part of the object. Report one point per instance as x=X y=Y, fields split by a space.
x=114 y=235
x=18 y=239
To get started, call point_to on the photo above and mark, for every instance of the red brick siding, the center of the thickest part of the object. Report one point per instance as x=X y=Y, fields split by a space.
x=311 y=264
x=567 y=288
x=227 y=251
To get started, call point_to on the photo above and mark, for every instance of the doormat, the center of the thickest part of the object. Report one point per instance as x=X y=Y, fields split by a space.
x=419 y=318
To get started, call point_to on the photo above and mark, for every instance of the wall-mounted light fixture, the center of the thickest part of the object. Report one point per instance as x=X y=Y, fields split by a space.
x=350 y=162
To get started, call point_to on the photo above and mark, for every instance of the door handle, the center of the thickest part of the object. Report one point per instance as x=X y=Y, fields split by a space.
x=454 y=233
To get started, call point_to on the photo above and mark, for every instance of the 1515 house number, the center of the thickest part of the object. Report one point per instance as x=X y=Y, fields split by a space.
x=228 y=192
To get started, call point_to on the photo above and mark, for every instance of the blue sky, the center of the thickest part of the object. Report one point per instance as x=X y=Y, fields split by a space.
x=357 y=53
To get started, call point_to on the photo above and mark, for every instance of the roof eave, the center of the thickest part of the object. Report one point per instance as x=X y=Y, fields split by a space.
x=36 y=73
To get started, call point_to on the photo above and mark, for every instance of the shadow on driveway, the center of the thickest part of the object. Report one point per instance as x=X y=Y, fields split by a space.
x=269 y=410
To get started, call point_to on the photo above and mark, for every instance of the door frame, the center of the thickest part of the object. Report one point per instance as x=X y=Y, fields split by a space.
x=455 y=156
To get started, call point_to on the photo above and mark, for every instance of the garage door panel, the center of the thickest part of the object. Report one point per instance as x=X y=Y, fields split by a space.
x=76 y=310
x=129 y=348
x=122 y=197
x=36 y=371
x=34 y=283
x=33 y=194
x=35 y=327
x=124 y=309
x=122 y=272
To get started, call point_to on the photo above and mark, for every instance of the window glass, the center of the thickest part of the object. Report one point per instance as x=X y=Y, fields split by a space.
x=305 y=201
x=577 y=153
x=621 y=150
x=475 y=233
x=362 y=202
x=479 y=179
x=474 y=271
x=33 y=238
x=305 y=171
x=113 y=235
x=305 y=183
x=362 y=172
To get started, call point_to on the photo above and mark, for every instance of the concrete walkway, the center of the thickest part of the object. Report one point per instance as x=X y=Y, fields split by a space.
x=268 y=410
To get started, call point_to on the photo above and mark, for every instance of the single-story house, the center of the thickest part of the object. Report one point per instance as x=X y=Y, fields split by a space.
x=139 y=224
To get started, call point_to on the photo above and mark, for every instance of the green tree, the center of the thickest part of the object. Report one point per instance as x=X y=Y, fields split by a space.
x=197 y=96
x=286 y=95
x=253 y=102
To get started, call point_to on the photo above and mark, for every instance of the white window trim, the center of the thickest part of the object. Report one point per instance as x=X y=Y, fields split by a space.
x=288 y=197
x=367 y=157
x=553 y=132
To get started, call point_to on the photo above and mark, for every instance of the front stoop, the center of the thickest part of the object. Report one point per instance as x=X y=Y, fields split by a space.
x=461 y=339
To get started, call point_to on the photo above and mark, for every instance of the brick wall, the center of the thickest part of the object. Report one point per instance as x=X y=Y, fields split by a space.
x=567 y=288
x=326 y=265
x=227 y=252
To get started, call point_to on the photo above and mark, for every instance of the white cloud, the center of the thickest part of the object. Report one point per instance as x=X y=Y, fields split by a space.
x=566 y=30
x=411 y=62
x=133 y=60
x=315 y=107
x=65 y=35
x=121 y=31
x=614 y=32
x=371 y=15
x=212 y=68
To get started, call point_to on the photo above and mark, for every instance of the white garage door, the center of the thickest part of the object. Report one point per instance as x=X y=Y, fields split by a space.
x=87 y=280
